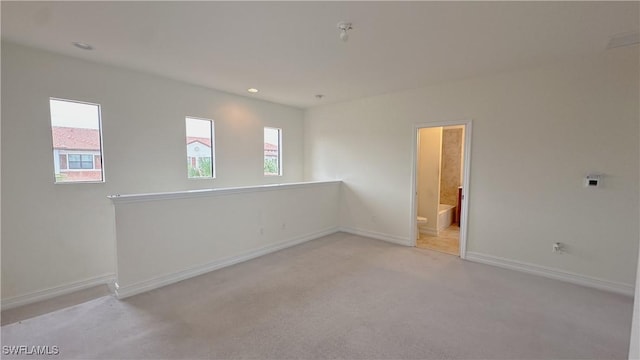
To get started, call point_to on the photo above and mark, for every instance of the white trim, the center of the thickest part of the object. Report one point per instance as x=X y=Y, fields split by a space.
x=160 y=281
x=121 y=199
x=212 y=148
x=377 y=235
x=50 y=293
x=464 y=212
x=102 y=158
x=552 y=273
x=279 y=156
x=464 y=222
x=80 y=182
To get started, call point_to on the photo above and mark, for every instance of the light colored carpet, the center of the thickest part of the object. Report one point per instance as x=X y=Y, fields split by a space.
x=344 y=296
x=43 y=307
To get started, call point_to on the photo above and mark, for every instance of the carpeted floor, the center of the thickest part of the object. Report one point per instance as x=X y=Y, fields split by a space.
x=343 y=296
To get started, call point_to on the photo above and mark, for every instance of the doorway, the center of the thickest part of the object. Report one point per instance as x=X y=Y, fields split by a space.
x=440 y=186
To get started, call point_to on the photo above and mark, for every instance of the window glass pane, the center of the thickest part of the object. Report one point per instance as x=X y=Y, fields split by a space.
x=75 y=161
x=77 y=141
x=200 y=148
x=87 y=161
x=272 y=151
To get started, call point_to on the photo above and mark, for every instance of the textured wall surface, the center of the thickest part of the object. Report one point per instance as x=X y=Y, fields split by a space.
x=451 y=165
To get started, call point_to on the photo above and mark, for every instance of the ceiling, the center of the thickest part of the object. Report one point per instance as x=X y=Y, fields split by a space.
x=291 y=51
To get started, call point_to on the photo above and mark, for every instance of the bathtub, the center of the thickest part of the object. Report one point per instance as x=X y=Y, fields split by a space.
x=445 y=216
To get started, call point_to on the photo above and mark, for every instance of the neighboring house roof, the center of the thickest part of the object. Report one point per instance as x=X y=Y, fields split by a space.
x=75 y=138
x=270 y=149
x=192 y=139
x=89 y=139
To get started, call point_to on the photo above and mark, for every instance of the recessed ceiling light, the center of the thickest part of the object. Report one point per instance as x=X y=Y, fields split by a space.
x=252 y=90
x=83 y=46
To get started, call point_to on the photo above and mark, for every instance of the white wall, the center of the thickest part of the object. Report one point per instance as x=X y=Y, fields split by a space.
x=536 y=134
x=634 y=343
x=428 y=176
x=54 y=235
x=155 y=247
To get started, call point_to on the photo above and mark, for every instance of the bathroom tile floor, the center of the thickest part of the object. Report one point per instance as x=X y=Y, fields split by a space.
x=447 y=242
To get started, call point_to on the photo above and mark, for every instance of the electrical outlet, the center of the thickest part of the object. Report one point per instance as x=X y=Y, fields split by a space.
x=284 y=226
x=261 y=231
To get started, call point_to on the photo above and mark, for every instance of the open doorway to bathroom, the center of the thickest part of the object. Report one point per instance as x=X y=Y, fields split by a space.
x=440 y=186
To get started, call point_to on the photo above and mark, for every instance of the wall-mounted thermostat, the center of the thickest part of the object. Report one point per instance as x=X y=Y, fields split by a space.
x=592 y=180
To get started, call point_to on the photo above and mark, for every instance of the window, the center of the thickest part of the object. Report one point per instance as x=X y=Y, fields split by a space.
x=77 y=141
x=272 y=151
x=80 y=161
x=200 y=145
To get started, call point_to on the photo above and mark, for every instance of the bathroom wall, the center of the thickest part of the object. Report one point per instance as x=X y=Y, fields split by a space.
x=429 y=164
x=451 y=176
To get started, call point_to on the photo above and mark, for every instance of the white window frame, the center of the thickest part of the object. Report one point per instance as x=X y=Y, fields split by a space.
x=279 y=157
x=212 y=135
x=102 y=161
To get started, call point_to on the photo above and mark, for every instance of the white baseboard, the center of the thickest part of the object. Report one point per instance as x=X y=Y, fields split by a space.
x=377 y=235
x=157 y=282
x=611 y=286
x=50 y=293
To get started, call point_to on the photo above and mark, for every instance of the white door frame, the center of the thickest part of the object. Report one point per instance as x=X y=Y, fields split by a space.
x=464 y=219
